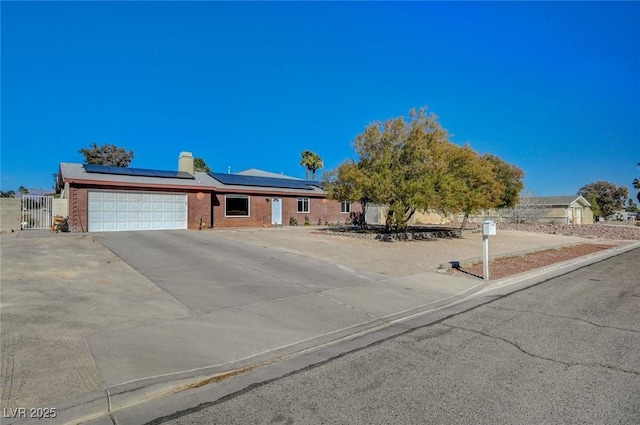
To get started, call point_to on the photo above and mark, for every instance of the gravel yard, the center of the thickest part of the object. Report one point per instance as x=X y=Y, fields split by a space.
x=623 y=231
x=402 y=258
x=504 y=267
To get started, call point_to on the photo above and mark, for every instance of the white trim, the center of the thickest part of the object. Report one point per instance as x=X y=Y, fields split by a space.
x=308 y=204
x=348 y=204
x=247 y=197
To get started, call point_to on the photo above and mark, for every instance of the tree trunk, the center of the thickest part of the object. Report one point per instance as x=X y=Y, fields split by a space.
x=387 y=226
x=464 y=221
x=408 y=213
x=363 y=205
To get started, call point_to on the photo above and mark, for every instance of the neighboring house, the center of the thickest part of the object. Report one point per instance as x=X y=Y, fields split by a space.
x=569 y=209
x=123 y=199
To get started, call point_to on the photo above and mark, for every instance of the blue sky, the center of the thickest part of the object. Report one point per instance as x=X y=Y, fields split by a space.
x=553 y=88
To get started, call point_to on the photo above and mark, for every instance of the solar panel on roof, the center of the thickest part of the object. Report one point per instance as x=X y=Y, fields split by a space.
x=141 y=172
x=242 y=180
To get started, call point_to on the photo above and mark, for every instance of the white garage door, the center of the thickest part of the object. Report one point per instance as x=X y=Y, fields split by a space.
x=122 y=211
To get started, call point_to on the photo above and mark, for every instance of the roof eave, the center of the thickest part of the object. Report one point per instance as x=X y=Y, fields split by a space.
x=89 y=182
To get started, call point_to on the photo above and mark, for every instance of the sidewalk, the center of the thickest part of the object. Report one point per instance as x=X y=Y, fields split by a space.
x=79 y=326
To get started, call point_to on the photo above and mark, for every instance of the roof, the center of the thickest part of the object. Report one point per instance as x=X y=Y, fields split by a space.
x=261 y=173
x=78 y=173
x=265 y=184
x=215 y=182
x=557 y=201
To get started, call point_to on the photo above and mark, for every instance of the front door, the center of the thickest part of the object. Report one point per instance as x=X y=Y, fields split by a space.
x=578 y=215
x=276 y=212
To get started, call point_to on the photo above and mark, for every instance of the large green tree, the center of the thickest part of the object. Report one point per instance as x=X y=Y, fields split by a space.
x=510 y=177
x=409 y=164
x=200 y=165
x=608 y=196
x=106 y=154
x=474 y=181
x=348 y=182
x=7 y=194
x=312 y=162
x=403 y=161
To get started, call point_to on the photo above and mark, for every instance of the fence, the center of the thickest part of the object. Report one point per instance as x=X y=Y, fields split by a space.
x=36 y=212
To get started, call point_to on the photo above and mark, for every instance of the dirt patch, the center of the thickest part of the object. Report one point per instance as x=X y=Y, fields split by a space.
x=509 y=266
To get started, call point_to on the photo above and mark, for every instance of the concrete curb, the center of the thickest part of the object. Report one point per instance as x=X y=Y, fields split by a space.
x=105 y=406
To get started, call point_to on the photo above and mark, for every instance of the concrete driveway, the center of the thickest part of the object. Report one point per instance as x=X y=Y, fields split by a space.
x=247 y=302
x=206 y=273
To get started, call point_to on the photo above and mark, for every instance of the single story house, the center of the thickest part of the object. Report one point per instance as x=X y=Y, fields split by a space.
x=571 y=209
x=105 y=198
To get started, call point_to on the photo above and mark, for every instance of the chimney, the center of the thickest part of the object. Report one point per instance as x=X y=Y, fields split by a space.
x=185 y=162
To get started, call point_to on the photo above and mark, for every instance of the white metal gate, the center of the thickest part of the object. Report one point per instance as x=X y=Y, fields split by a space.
x=36 y=212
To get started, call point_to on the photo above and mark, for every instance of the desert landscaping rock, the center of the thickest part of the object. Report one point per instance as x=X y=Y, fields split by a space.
x=509 y=266
x=412 y=234
x=591 y=231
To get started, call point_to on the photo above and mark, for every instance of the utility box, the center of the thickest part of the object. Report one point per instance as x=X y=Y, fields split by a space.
x=488 y=228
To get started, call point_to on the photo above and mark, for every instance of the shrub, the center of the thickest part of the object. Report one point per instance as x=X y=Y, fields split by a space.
x=293 y=221
x=358 y=218
x=306 y=221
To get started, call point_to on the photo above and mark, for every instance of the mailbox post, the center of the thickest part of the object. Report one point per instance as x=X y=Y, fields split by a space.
x=488 y=229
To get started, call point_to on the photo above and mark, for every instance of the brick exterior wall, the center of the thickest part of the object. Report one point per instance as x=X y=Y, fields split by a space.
x=210 y=209
x=198 y=209
x=259 y=212
x=78 y=215
x=321 y=211
x=78 y=206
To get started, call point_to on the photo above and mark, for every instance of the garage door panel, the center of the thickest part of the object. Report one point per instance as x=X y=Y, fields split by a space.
x=124 y=211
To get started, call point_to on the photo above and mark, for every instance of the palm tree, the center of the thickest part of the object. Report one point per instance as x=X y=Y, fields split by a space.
x=312 y=162
x=23 y=190
x=636 y=185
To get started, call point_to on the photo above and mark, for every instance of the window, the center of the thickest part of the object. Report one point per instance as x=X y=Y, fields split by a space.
x=303 y=205
x=345 y=207
x=236 y=206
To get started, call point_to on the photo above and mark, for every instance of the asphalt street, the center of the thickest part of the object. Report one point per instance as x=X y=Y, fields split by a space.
x=563 y=351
